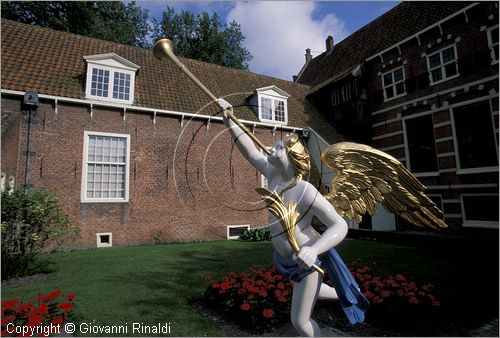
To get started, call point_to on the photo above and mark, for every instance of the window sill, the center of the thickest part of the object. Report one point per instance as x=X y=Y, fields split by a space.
x=427 y=174
x=99 y=99
x=480 y=224
x=274 y=122
x=394 y=97
x=477 y=170
x=444 y=80
x=105 y=200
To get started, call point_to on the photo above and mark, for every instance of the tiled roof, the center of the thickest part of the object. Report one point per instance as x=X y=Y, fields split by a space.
x=51 y=62
x=402 y=21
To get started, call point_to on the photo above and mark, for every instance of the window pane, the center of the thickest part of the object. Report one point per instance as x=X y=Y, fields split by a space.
x=400 y=88
x=481 y=208
x=475 y=139
x=434 y=60
x=266 y=108
x=387 y=79
x=280 y=111
x=421 y=144
x=450 y=69
x=398 y=75
x=389 y=92
x=448 y=54
x=437 y=75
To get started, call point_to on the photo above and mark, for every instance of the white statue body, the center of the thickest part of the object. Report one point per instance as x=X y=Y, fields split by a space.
x=280 y=172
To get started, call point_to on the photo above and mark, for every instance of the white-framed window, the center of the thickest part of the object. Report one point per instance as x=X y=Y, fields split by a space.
x=104 y=239
x=264 y=183
x=480 y=210
x=420 y=145
x=235 y=231
x=474 y=137
x=272 y=105
x=394 y=84
x=492 y=34
x=12 y=184
x=442 y=65
x=105 y=174
x=110 y=78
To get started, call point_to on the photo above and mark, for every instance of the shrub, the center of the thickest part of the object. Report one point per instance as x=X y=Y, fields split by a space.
x=28 y=316
x=258 y=300
x=256 y=235
x=29 y=221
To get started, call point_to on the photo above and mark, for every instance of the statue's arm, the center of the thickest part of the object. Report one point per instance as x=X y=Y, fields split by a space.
x=244 y=143
x=336 y=227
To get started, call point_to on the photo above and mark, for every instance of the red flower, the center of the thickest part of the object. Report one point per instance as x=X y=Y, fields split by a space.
x=25 y=307
x=216 y=285
x=7 y=320
x=251 y=296
x=57 y=320
x=9 y=304
x=208 y=277
x=42 y=309
x=34 y=320
x=245 y=307
x=399 y=277
x=281 y=299
x=414 y=300
x=65 y=306
x=53 y=295
x=70 y=297
x=281 y=286
x=263 y=293
x=225 y=285
x=385 y=294
x=242 y=291
x=369 y=294
x=268 y=313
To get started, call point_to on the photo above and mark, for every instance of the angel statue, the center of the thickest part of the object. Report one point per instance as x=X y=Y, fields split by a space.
x=364 y=176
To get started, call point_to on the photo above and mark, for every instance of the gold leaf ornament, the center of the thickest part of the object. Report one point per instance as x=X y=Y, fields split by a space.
x=366 y=176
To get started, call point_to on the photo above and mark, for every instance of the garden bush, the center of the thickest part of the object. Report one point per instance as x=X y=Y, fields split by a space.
x=256 y=235
x=43 y=319
x=30 y=221
x=258 y=300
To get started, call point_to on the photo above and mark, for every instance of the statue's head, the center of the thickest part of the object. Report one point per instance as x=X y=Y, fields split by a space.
x=290 y=151
x=298 y=155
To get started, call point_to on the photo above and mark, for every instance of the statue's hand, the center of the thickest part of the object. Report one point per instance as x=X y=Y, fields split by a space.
x=226 y=106
x=307 y=256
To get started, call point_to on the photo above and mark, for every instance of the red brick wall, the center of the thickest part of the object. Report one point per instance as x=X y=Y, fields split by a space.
x=186 y=183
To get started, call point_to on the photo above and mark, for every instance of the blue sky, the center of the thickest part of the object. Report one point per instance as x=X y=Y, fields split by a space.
x=278 y=32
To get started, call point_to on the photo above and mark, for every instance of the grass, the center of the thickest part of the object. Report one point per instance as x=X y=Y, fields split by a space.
x=157 y=283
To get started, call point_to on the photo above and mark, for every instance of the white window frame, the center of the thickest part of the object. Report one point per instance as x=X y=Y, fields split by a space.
x=112 y=63
x=12 y=184
x=228 y=227
x=4 y=181
x=442 y=65
x=275 y=95
x=476 y=223
x=491 y=45
x=455 y=141
x=393 y=84
x=264 y=182
x=101 y=244
x=84 y=198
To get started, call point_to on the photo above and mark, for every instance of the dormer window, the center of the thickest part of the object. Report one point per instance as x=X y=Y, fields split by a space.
x=272 y=105
x=110 y=78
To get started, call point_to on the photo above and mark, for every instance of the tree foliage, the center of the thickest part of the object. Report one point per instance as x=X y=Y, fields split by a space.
x=203 y=37
x=30 y=221
x=107 y=20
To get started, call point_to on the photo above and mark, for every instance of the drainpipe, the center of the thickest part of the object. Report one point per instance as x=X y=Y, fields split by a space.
x=30 y=105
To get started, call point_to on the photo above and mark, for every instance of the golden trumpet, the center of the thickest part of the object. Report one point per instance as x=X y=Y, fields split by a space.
x=164 y=48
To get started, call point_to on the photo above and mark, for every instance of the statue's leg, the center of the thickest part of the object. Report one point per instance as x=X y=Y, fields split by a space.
x=303 y=301
x=326 y=292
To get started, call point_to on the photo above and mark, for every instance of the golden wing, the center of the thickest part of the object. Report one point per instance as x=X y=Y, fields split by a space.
x=366 y=176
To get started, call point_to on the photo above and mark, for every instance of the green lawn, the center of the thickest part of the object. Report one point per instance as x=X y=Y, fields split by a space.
x=157 y=283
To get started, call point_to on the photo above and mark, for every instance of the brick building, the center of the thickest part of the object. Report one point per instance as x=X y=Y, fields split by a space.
x=136 y=151
x=421 y=83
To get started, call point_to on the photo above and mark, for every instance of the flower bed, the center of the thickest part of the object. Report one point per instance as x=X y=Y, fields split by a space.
x=259 y=299
x=396 y=300
x=43 y=319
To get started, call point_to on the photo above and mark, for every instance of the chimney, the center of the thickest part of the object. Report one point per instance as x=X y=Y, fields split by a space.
x=308 y=55
x=329 y=44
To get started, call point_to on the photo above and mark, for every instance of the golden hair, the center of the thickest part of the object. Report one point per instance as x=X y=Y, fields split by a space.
x=298 y=155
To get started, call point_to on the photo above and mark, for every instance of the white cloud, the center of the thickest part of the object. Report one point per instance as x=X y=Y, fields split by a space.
x=278 y=32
